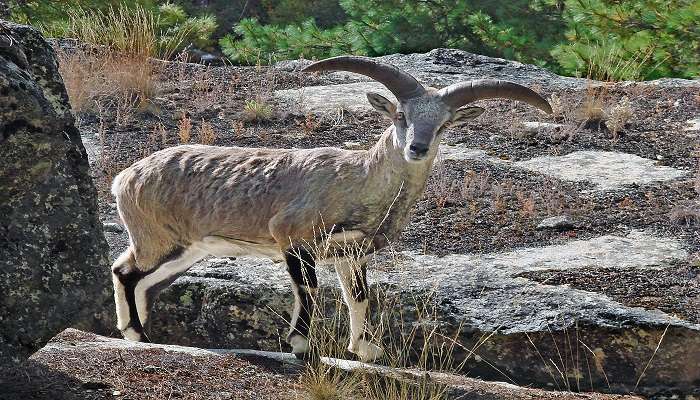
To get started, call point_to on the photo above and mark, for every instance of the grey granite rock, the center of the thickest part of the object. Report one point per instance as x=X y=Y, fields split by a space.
x=112 y=227
x=607 y=170
x=54 y=269
x=557 y=223
x=438 y=68
x=116 y=367
x=506 y=324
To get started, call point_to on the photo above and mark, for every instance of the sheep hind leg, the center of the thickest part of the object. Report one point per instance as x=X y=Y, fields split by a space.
x=352 y=274
x=301 y=268
x=138 y=290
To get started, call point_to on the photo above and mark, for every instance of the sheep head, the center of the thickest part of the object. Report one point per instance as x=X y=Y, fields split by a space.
x=422 y=113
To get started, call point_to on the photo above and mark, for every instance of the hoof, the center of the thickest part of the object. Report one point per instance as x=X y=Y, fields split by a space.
x=133 y=335
x=366 y=351
x=309 y=357
x=300 y=346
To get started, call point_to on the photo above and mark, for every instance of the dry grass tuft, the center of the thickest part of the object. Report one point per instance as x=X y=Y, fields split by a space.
x=619 y=116
x=686 y=214
x=257 y=110
x=159 y=130
x=309 y=124
x=591 y=110
x=411 y=339
x=184 y=129
x=105 y=76
x=126 y=30
x=206 y=133
x=238 y=128
x=327 y=383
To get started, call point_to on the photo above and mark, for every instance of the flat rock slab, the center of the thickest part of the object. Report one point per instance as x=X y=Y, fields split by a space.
x=329 y=99
x=693 y=125
x=605 y=169
x=113 y=368
x=508 y=326
x=462 y=387
x=84 y=366
x=442 y=67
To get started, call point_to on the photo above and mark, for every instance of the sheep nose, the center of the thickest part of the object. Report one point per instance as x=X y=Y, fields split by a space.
x=418 y=149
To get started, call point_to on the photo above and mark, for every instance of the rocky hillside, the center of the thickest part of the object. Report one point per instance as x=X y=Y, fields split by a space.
x=560 y=250
x=557 y=252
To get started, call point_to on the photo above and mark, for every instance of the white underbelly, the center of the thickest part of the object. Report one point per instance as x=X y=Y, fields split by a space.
x=219 y=247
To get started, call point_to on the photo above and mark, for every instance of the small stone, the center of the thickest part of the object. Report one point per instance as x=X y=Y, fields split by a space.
x=112 y=227
x=116 y=393
x=659 y=157
x=535 y=127
x=693 y=125
x=558 y=223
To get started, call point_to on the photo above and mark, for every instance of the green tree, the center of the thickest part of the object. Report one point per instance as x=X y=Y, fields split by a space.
x=267 y=43
x=325 y=13
x=640 y=39
x=523 y=29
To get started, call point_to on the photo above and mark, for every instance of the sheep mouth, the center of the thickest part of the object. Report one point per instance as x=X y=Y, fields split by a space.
x=412 y=157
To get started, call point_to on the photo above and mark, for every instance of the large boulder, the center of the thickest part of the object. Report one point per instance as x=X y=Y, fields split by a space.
x=53 y=256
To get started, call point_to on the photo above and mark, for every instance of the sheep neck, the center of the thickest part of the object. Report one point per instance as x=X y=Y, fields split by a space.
x=396 y=184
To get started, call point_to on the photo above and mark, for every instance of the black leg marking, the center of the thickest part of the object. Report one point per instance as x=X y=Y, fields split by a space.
x=131 y=276
x=301 y=266
x=130 y=279
x=360 y=289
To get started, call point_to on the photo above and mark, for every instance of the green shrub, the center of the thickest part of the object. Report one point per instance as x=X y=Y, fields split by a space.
x=176 y=26
x=171 y=14
x=325 y=13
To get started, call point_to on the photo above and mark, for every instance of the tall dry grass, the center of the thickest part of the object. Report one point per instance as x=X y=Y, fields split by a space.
x=115 y=62
x=406 y=327
x=102 y=76
x=127 y=30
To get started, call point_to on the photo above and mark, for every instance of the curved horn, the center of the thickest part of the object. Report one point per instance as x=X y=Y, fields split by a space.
x=400 y=83
x=459 y=94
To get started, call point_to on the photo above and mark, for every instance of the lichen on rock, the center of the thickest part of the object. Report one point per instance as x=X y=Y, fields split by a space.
x=53 y=257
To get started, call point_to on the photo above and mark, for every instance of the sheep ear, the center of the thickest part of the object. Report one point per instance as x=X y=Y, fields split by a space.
x=382 y=104
x=465 y=114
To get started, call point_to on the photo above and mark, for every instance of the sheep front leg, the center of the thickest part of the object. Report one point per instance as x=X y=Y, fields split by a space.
x=352 y=274
x=136 y=290
x=301 y=268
